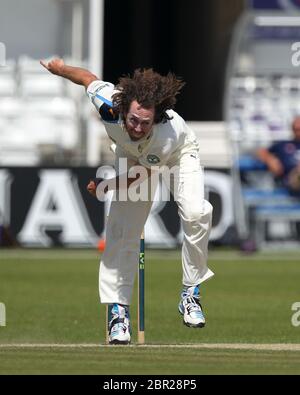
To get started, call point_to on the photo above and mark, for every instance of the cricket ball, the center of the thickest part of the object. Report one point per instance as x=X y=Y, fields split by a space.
x=101 y=245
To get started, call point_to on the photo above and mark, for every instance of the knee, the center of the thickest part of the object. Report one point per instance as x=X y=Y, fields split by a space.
x=201 y=212
x=208 y=209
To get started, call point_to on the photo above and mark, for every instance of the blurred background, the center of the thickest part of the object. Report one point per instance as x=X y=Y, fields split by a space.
x=242 y=91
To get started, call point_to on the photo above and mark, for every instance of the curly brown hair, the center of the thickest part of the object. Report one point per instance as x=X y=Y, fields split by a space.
x=149 y=89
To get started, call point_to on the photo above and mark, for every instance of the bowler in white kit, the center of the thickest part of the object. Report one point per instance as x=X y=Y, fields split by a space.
x=139 y=117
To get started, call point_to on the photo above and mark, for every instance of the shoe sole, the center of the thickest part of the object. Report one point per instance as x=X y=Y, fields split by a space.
x=200 y=325
x=119 y=342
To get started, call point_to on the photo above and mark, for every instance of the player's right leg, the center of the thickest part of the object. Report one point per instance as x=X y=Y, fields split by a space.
x=120 y=259
x=119 y=324
x=119 y=263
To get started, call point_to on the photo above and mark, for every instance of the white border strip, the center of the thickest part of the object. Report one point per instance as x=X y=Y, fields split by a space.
x=210 y=346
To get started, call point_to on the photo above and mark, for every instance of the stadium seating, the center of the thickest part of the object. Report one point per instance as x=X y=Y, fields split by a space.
x=37 y=115
x=266 y=202
x=260 y=111
x=7 y=79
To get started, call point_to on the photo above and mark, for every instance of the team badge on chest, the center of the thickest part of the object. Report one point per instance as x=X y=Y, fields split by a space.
x=153 y=159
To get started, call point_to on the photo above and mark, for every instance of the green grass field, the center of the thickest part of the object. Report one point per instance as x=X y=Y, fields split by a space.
x=55 y=323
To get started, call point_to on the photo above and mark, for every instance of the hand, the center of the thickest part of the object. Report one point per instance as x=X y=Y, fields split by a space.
x=92 y=188
x=55 y=66
x=276 y=167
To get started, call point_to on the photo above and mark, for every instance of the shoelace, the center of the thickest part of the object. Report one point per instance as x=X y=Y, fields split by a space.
x=194 y=304
x=120 y=322
x=118 y=319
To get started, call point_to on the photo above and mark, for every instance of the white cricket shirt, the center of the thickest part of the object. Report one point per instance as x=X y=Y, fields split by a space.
x=163 y=146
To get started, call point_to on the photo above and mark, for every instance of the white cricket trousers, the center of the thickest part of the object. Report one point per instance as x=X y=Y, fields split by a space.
x=125 y=224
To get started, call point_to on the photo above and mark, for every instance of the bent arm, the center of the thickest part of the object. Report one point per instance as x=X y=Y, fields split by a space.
x=272 y=162
x=75 y=74
x=126 y=180
x=123 y=181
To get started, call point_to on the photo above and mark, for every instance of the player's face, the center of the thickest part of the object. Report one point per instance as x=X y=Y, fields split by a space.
x=139 y=121
x=296 y=128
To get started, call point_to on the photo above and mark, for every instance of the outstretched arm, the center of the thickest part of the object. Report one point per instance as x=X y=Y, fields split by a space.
x=75 y=74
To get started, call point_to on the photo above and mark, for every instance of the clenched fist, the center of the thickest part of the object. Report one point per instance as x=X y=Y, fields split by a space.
x=92 y=188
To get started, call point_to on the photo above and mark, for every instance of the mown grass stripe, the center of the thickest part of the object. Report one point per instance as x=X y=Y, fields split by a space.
x=164 y=255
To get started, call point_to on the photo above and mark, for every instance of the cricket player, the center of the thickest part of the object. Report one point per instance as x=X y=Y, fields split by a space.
x=139 y=118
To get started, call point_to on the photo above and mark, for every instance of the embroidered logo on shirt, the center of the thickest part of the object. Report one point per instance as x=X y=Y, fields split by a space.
x=290 y=148
x=153 y=159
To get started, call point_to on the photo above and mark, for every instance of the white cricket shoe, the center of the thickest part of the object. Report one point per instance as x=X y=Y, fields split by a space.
x=119 y=325
x=190 y=307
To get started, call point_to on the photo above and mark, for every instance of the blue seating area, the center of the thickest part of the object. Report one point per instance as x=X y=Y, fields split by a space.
x=265 y=202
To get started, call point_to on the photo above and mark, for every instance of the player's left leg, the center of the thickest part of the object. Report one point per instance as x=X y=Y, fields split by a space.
x=196 y=215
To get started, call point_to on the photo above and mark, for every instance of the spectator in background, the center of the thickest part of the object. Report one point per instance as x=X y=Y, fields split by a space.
x=283 y=160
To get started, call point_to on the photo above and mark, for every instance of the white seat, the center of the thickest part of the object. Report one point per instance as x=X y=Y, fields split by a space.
x=26 y=64
x=58 y=107
x=41 y=85
x=7 y=84
x=34 y=114
x=19 y=156
x=10 y=107
x=35 y=80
